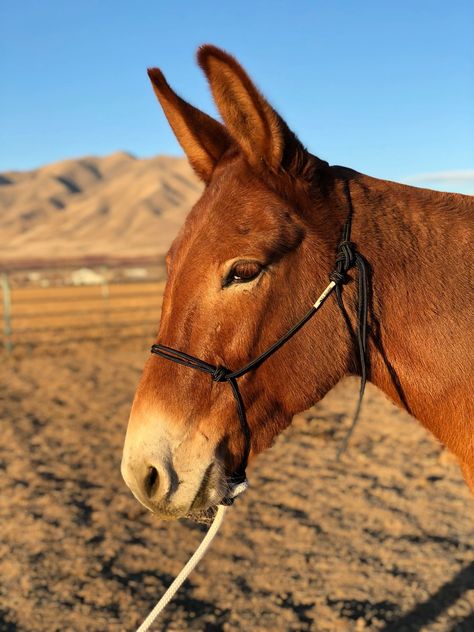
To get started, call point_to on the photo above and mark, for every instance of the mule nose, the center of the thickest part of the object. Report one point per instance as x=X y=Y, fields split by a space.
x=151 y=482
x=148 y=482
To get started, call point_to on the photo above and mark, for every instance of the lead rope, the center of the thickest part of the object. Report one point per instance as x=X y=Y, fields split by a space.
x=186 y=570
x=195 y=558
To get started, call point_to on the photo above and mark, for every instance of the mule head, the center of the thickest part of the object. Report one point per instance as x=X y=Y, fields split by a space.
x=252 y=256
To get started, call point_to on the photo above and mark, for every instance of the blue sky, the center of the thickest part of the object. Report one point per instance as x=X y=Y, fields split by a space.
x=384 y=87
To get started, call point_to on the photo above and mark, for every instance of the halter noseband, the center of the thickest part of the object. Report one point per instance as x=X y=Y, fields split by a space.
x=346 y=258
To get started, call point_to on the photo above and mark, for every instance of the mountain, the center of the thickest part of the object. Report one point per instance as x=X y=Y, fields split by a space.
x=115 y=206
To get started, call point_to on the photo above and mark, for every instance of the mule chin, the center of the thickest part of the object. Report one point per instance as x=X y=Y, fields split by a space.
x=202 y=516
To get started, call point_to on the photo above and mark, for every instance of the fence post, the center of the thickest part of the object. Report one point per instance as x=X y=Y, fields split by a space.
x=7 y=320
x=105 y=291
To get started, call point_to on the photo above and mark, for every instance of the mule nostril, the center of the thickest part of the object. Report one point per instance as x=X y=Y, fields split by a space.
x=151 y=481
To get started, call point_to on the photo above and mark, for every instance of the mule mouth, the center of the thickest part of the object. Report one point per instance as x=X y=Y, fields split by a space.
x=204 y=491
x=212 y=492
x=201 y=505
x=206 y=516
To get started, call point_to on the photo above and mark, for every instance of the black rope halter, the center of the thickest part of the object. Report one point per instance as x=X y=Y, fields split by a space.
x=347 y=257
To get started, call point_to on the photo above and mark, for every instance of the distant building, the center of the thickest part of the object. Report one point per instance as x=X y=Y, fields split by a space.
x=135 y=273
x=86 y=276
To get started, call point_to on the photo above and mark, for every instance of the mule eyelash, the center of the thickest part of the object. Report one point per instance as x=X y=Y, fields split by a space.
x=243 y=272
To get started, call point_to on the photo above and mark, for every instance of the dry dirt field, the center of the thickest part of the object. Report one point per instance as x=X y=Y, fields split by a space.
x=383 y=540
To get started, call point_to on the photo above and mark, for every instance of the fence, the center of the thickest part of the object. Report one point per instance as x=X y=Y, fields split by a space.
x=60 y=313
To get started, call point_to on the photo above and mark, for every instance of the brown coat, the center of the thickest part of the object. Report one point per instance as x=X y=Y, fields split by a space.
x=256 y=251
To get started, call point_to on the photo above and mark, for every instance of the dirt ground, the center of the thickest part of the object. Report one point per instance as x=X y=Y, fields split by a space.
x=383 y=540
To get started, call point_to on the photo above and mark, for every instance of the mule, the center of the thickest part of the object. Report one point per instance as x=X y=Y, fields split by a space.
x=253 y=254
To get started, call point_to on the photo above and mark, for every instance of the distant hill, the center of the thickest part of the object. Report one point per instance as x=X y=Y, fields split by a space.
x=116 y=206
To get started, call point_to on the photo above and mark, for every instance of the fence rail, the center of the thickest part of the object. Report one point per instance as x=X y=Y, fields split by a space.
x=68 y=313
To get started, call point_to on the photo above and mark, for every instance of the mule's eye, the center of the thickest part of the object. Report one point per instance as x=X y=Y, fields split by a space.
x=243 y=272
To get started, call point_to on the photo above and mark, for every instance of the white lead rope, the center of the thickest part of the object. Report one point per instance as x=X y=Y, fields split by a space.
x=186 y=570
x=193 y=560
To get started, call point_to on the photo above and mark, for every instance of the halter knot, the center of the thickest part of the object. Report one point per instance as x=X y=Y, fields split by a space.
x=345 y=255
x=337 y=277
x=220 y=374
x=345 y=260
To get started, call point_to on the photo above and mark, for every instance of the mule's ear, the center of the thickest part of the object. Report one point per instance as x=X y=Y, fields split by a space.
x=203 y=139
x=261 y=133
